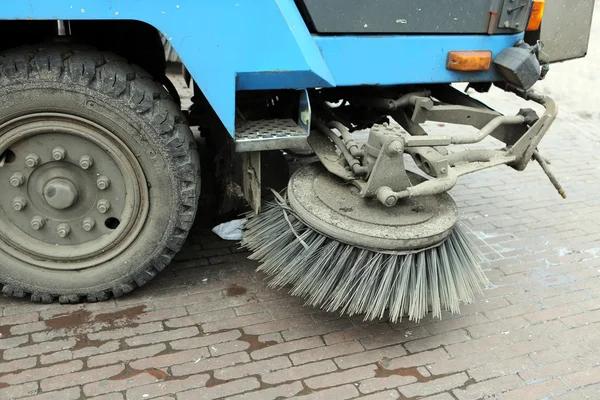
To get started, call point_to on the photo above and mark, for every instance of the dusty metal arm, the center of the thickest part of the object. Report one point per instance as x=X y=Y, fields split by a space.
x=488 y=129
x=385 y=177
x=524 y=147
x=433 y=186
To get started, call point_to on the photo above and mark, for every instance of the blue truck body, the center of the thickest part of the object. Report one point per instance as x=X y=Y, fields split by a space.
x=232 y=45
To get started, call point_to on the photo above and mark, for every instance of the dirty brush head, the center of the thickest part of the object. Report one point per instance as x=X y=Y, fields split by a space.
x=339 y=277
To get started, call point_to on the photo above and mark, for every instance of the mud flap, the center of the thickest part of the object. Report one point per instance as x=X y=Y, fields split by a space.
x=566 y=28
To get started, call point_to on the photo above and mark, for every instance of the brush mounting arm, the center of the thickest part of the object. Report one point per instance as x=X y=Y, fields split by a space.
x=377 y=168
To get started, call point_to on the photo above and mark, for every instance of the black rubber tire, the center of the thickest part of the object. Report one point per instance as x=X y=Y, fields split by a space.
x=121 y=97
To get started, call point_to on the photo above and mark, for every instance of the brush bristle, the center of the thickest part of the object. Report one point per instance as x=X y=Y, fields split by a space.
x=339 y=277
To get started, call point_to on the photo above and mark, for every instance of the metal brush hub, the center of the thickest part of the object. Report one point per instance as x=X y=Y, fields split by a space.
x=335 y=209
x=76 y=195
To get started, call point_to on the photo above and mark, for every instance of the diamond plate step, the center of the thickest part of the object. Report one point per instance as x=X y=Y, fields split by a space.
x=271 y=134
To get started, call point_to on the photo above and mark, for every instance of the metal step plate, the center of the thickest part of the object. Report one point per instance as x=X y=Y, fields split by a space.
x=270 y=134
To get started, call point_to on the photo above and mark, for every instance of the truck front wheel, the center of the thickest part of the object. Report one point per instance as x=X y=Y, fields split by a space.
x=99 y=174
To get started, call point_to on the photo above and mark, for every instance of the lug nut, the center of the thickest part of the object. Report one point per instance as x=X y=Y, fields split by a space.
x=58 y=153
x=88 y=223
x=103 y=182
x=19 y=203
x=86 y=162
x=37 y=222
x=103 y=206
x=32 y=160
x=63 y=230
x=17 y=179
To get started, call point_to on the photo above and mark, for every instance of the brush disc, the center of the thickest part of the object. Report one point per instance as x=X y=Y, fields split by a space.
x=342 y=253
x=334 y=208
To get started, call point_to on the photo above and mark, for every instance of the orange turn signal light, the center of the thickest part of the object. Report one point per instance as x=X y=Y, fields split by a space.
x=537 y=12
x=477 y=60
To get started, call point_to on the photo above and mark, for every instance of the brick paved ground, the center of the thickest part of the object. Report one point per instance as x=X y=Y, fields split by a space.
x=208 y=327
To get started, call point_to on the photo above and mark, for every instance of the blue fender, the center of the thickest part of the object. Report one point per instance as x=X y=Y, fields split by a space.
x=230 y=45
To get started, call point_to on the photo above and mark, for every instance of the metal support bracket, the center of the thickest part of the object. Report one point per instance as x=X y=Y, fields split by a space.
x=377 y=169
x=388 y=169
x=252 y=179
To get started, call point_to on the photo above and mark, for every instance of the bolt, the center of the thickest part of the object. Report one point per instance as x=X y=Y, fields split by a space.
x=88 y=224
x=63 y=230
x=37 y=222
x=507 y=24
x=103 y=182
x=19 y=203
x=103 y=206
x=17 y=179
x=32 y=160
x=58 y=153
x=386 y=196
x=395 y=148
x=86 y=162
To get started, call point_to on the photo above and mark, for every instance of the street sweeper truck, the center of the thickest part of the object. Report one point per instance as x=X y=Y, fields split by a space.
x=101 y=171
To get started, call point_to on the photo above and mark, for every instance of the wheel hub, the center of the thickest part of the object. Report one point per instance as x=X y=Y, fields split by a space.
x=334 y=208
x=77 y=195
x=60 y=193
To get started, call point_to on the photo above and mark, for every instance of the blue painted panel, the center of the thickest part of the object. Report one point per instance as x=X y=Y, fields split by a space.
x=216 y=39
x=231 y=45
x=388 y=60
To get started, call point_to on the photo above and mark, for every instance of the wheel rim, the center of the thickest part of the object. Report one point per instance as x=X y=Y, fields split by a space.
x=77 y=195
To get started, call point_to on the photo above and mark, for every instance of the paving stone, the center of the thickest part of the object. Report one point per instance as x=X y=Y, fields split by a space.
x=169 y=387
x=287 y=347
x=323 y=353
x=125 y=355
x=582 y=378
x=35 y=374
x=206 y=340
x=17 y=391
x=493 y=369
x=222 y=390
x=413 y=360
x=371 y=356
x=172 y=359
x=488 y=388
x=339 y=378
x=80 y=378
x=73 y=393
x=273 y=393
x=536 y=391
x=208 y=364
x=434 y=386
x=432 y=342
x=117 y=385
x=38 y=349
x=253 y=368
x=300 y=372
x=557 y=369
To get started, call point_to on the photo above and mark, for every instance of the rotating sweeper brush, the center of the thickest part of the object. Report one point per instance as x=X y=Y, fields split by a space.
x=344 y=253
x=358 y=234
